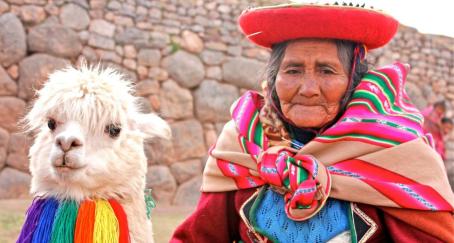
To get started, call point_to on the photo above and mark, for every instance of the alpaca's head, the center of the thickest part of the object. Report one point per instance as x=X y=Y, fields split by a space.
x=90 y=135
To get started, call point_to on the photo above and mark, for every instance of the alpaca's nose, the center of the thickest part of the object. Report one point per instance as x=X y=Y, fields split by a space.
x=67 y=143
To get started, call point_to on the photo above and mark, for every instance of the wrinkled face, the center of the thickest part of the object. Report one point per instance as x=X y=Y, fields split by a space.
x=311 y=83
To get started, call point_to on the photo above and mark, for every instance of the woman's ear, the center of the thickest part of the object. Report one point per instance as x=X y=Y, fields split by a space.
x=151 y=125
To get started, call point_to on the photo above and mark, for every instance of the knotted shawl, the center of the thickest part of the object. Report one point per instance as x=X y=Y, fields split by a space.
x=376 y=153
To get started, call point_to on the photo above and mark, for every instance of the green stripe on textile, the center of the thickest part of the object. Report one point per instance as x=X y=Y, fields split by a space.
x=388 y=81
x=286 y=181
x=64 y=224
x=302 y=175
x=372 y=138
x=372 y=98
x=380 y=84
x=243 y=144
x=391 y=124
x=352 y=224
x=390 y=96
x=357 y=103
x=411 y=117
x=258 y=137
x=251 y=126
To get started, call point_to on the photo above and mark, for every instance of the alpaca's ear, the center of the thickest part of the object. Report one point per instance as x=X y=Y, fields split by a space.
x=151 y=125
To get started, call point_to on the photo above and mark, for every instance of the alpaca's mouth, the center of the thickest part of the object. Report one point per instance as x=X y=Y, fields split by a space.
x=65 y=168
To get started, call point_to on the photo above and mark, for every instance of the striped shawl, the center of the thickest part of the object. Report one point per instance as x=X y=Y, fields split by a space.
x=376 y=154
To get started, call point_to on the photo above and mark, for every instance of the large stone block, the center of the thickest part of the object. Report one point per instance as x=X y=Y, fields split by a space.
x=149 y=57
x=99 y=41
x=12 y=110
x=32 y=14
x=102 y=27
x=4 y=141
x=34 y=71
x=132 y=36
x=176 y=102
x=188 y=193
x=14 y=184
x=162 y=183
x=243 y=72
x=185 y=170
x=213 y=101
x=185 y=68
x=7 y=86
x=54 y=39
x=188 y=140
x=192 y=42
x=159 y=151
x=74 y=16
x=147 y=87
x=212 y=57
x=13 y=46
x=19 y=145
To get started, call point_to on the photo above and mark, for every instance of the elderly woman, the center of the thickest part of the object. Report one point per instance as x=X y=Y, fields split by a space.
x=332 y=151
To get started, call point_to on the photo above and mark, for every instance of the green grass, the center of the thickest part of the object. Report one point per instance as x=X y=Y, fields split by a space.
x=165 y=219
x=10 y=224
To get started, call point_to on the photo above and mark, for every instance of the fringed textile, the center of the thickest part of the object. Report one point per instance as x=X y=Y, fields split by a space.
x=52 y=221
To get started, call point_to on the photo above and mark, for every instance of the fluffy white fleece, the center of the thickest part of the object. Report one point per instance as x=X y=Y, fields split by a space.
x=79 y=159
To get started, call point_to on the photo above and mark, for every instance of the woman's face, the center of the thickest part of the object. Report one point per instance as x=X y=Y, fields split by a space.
x=311 y=82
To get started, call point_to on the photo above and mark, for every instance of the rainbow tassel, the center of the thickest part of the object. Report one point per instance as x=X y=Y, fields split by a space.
x=43 y=231
x=85 y=222
x=122 y=221
x=65 y=220
x=106 y=224
x=51 y=221
x=31 y=222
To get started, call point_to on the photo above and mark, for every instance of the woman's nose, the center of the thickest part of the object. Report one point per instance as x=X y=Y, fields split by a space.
x=309 y=87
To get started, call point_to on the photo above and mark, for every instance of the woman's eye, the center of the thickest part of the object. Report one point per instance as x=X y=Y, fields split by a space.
x=327 y=71
x=52 y=124
x=113 y=130
x=292 y=71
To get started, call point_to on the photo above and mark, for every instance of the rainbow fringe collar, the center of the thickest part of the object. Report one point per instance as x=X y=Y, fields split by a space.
x=91 y=221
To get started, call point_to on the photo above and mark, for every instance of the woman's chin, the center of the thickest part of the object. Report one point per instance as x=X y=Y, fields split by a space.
x=309 y=120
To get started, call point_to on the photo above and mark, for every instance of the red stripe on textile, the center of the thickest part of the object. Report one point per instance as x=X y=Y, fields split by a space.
x=122 y=221
x=362 y=112
x=354 y=139
x=374 y=130
x=244 y=111
x=249 y=148
x=385 y=181
x=240 y=174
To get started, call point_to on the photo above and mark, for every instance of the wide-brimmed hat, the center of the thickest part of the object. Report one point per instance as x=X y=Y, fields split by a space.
x=269 y=25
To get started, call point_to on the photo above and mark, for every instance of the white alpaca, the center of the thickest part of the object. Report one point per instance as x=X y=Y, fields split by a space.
x=89 y=143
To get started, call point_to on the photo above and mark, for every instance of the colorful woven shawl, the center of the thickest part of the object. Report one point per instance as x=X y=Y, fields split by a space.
x=98 y=221
x=375 y=154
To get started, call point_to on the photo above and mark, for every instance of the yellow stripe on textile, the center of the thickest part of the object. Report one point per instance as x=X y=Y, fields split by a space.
x=106 y=224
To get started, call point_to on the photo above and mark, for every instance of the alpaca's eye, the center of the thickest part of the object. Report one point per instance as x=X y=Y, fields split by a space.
x=52 y=124
x=113 y=130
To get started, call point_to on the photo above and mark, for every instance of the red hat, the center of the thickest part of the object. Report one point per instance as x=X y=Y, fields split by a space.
x=266 y=26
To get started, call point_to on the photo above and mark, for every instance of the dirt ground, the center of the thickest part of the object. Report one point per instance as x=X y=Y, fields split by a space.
x=165 y=219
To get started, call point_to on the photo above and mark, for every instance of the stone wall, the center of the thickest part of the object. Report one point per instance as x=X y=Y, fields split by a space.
x=189 y=63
